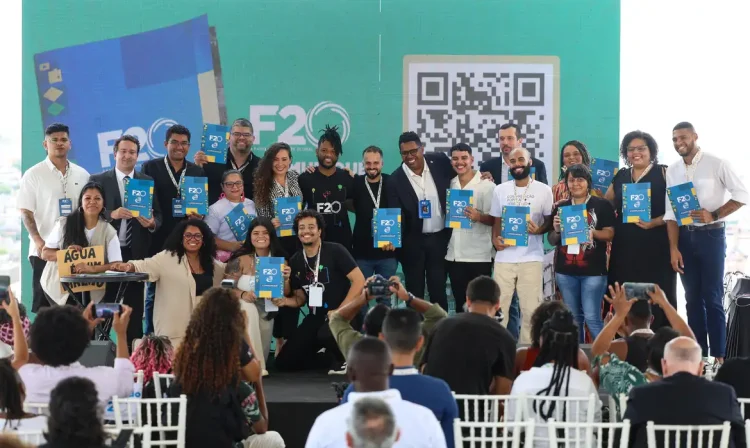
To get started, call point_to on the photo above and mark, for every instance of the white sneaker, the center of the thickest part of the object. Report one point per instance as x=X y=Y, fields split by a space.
x=338 y=370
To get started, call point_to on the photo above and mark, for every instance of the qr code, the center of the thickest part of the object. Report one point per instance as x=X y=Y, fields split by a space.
x=465 y=99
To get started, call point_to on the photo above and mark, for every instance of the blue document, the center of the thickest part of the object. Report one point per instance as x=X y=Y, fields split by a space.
x=684 y=200
x=215 y=142
x=387 y=227
x=515 y=231
x=195 y=195
x=239 y=221
x=602 y=173
x=532 y=173
x=139 y=197
x=456 y=202
x=269 y=280
x=636 y=202
x=286 y=210
x=574 y=224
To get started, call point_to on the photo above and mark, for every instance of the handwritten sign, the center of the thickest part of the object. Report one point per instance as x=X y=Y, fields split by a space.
x=93 y=256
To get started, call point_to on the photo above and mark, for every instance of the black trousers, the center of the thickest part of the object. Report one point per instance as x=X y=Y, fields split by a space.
x=461 y=273
x=300 y=352
x=39 y=298
x=425 y=260
x=134 y=297
x=285 y=321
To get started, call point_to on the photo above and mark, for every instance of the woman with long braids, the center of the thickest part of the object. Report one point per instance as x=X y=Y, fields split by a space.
x=555 y=374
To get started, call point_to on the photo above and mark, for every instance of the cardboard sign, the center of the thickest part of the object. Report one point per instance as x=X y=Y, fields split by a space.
x=93 y=256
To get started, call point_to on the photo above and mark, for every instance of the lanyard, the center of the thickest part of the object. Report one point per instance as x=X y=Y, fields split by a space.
x=317 y=263
x=690 y=169
x=174 y=181
x=523 y=198
x=244 y=165
x=380 y=189
x=64 y=179
x=643 y=174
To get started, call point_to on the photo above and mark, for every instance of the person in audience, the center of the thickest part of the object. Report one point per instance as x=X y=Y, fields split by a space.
x=7 y=329
x=183 y=271
x=13 y=417
x=572 y=153
x=206 y=370
x=402 y=331
x=454 y=354
x=735 y=372
x=86 y=226
x=11 y=309
x=369 y=369
x=59 y=336
x=253 y=402
x=372 y=424
x=346 y=336
x=226 y=239
x=154 y=354
x=526 y=356
x=555 y=374
x=656 y=345
x=683 y=397
x=75 y=417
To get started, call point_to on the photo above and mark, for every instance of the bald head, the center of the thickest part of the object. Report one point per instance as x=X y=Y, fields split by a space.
x=369 y=365
x=682 y=354
x=520 y=152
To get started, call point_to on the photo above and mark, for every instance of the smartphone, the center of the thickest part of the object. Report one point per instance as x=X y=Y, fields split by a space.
x=4 y=286
x=106 y=310
x=638 y=290
x=227 y=283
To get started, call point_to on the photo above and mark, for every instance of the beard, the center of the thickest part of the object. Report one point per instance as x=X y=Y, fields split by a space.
x=523 y=174
x=321 y=162
x=372 y=176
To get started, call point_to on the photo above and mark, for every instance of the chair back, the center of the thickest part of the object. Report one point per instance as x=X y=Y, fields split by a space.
x=695 y=436
x=494 y=434
x=159 y=414
x=588 y=435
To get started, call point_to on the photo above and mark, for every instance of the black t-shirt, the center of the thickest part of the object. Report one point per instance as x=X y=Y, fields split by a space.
x=335 y=264
x=364 y=210
x=327 y=195
x=214 y=172
x=591 y=258
x=467 y=351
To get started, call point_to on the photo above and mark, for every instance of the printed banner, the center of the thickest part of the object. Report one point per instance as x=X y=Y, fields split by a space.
x=93 y=256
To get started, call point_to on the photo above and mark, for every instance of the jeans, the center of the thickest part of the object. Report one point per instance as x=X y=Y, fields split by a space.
x=514 y=317
x=385 y=267
x=584 y=294
x=148 y=311
x=703 y=253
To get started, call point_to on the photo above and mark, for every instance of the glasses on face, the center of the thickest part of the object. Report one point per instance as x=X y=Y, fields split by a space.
x=410 y=152
x=177 y=143
x=242 y=134
x=193 y=236
x=632 y=149
x=238 y=184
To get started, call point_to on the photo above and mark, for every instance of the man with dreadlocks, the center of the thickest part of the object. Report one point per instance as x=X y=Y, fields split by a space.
x=557 y=367
x=327 y=189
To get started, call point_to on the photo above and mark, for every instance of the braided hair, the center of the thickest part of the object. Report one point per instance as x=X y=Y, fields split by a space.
x=331 y=135
x=559 y=347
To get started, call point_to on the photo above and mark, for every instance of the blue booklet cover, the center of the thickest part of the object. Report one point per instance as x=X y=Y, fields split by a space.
x=239 y=221
x=269 y=280
x=574 y=223
x=456 y=201
x=195 y=195
x=139 y=197
x=636 y=202
x=387 y=229
x=684 y=200
x=532 y=173
x=515 y=231
x=602 y=173
x=214 y=142
x=286 y=210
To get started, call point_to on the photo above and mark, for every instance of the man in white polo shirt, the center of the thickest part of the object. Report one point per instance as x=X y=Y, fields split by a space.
x=698 y=250
x=470 y=250
x=520 y=268
x=49 y=189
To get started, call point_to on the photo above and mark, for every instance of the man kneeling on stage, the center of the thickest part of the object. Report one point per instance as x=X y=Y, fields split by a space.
x=325 y=277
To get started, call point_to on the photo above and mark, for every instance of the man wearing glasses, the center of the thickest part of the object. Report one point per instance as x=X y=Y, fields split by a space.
x=240 y=157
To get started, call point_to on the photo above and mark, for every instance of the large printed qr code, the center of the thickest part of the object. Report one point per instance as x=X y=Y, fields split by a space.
x=465 y=99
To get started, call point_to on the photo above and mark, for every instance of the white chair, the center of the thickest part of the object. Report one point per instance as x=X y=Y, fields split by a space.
x=747 y=430
x=33 y=437
x=588 y=435
x=743 y=403
x=499 y=435
x=686 y=433
x=167 y=377
x=37 y=408
x=615 y=415
x=490 y=406
x=567 y=409
x=162 y=420
x=109 y=411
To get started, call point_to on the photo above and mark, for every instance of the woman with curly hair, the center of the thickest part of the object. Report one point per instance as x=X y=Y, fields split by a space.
x=572 y=153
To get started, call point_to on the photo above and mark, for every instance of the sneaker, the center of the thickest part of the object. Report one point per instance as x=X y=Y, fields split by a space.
x=338 y=369
x=265 y=372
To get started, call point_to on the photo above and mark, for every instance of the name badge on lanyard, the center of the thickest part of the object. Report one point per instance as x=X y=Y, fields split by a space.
x=315 y=290
x=425 y=209
x=315 y=294
x=66 y=206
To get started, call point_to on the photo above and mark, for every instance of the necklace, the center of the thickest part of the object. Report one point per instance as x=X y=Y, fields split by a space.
x=523 y=198
x=192 y=271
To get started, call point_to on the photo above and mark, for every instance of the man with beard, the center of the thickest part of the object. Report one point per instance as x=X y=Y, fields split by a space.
x=324 y=276
x=698 y=249
x=327 y=189
x=498 y=168
x=519 y=268
x=240 y=157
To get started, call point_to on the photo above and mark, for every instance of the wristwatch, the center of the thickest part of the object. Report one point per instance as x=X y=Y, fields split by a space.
x=715 y=215
x=411 y=297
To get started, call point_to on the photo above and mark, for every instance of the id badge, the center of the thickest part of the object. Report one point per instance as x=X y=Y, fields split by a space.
x=425 y=209
x=66 y=206
x=315 y=296
x=178 y=208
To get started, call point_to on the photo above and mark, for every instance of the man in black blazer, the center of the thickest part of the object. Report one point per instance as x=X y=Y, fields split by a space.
x=134 y=232
x=418 y=187
x=683 y=397
x=510 y=138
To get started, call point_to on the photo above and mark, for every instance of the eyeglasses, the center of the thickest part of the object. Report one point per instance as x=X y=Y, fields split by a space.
x=409 y=153
x=632 y=149
x=176 y=143
x=193 y=236
x=239 y=183
x=242 y=134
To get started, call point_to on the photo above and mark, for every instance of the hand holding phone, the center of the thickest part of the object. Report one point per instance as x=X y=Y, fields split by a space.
x=105 y=310
x=638 y=291
x=4 y=287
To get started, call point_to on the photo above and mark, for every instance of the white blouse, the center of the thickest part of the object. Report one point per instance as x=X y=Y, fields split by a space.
x=113 y=253
x=221 y=209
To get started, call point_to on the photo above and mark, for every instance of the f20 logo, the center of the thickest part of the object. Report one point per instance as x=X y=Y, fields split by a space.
x=302 y=131
x=637 y=197
x=195 y=190
x=603 y=173
x=685 y=198
x=576 y=218
x=515 y=220
x=329 y=207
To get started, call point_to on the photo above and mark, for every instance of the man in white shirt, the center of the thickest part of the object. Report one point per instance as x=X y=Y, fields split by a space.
x=372 y=424
x=470 y=250
x=48 y=190
x=519 y=268
x=369 y=366
x=698 y=249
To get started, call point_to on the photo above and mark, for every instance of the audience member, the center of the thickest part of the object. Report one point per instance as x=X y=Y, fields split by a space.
x=253 y=402
x=11 y=310
x=656 y=346
x=12 y=394
x=369 y=369
x=154 y=354
x=683 y=397
x=736 y=372
x=8 y=328
x=372 y=424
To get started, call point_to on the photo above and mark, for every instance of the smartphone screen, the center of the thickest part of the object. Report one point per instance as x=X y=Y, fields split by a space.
x=638 y=290
x=105 y=310
x=4 y=286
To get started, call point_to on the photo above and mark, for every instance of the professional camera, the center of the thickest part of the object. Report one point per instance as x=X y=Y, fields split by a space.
x=378 y=287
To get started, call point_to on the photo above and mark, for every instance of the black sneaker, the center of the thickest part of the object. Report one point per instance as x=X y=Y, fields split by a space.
x=338 y=369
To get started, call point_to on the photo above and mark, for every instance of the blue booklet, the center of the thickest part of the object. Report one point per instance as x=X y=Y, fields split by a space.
x=602 y=173
x=286 y=210
x=456 y=202
x=215 y=142
x=269 y=280
x=515 y=230
x=532 y=173
x=195 y=195
x=574 y=224
x=387 y=222
x=684 y=200
x=239 y=221
x=636 y=202
x=139 y=197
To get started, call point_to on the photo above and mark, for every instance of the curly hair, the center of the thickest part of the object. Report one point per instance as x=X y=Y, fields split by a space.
x=653 y=147
x=207 y=252
x=59 y=335
x=264 y=173
x=209 y=357
x=74 y=415
x=585 y=157
x=542 y=313
x=154 y=354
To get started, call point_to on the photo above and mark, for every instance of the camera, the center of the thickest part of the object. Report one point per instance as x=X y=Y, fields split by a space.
x=378 y=287
x=638 y=290
x=106 y=310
